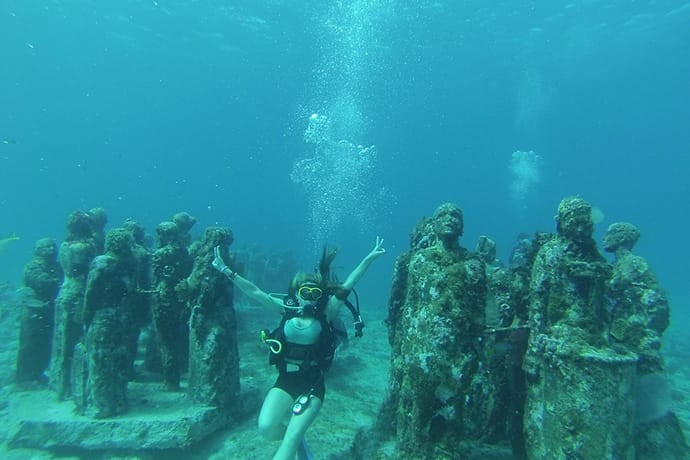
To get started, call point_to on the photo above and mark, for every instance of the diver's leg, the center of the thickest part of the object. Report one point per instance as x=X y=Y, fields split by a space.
x=295 y=430
x=276 y=405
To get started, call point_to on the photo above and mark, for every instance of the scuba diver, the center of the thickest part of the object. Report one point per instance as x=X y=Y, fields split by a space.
x=302 y=347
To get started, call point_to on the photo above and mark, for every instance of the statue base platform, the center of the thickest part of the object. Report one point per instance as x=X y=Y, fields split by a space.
x=156 y=420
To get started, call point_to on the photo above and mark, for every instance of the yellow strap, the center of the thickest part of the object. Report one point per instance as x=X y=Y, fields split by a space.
x=274 y=345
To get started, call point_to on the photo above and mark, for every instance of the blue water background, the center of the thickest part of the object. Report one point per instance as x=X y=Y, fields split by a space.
x=148 y=108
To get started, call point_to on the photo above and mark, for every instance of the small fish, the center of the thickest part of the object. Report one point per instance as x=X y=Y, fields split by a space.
x=8 y=141
x=5 y=242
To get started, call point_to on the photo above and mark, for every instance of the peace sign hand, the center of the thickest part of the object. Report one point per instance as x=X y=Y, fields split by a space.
x=218 y=262
x=378 y=248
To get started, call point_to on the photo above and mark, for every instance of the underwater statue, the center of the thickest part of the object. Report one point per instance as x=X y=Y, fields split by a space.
x=107 y=316
x=138 y=310
x=84 y=241
x=43 y=277
x=640 y=311
x=171 y=265
x=640 y=314
x=440 y=400
x=579 y=390
x=214 y=361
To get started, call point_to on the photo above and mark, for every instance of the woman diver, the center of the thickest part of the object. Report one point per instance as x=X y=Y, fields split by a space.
x=302 y=347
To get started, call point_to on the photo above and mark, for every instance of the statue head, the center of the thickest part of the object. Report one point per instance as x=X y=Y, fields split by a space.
x=574 y=219
x=448 y=223
x=621 y=235
x=119 y=242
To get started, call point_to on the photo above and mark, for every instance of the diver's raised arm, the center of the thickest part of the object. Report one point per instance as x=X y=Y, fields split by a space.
x=359 y=271
x=250 y=289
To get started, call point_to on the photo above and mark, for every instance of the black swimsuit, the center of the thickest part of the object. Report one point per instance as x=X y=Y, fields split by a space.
x=300 y=372
x=300 y=382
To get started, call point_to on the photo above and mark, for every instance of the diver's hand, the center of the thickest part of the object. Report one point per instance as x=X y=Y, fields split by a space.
x=218 y=262
x=378 y=249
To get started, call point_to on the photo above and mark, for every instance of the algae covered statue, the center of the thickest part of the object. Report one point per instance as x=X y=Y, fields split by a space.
x=579 y=389
x=640 y=313
x=302 y=347
x=439 y=399
x=110 y=302
x=42 y=276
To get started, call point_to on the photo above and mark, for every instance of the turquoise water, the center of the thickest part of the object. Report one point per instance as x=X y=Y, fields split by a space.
x=297 y=123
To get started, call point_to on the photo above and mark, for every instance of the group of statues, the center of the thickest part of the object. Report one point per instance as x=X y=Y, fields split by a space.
x=550 y=357
x=556 y=355
x=99 y=290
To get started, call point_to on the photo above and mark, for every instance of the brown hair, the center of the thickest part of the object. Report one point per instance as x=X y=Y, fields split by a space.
x=321 y=277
